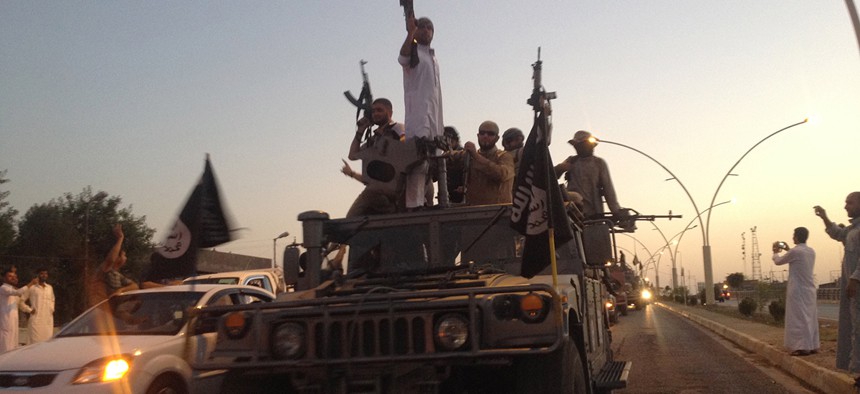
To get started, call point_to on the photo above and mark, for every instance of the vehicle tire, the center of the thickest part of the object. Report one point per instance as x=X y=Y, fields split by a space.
x=558 y=372
x=166 y=384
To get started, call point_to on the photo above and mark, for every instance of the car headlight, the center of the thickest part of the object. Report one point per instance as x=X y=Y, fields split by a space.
x=609 y=304
x=104 y=370
x=288 y=341
x=646 y=294
x=452 y=331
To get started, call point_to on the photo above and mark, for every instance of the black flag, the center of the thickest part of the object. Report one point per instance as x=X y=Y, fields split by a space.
x=201 y=224
x=536 y=197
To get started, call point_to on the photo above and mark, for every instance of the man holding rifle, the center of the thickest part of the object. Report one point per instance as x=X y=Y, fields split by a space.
x=371 y=202
x=422 y=95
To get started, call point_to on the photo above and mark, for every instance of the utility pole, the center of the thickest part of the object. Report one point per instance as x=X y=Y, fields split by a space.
x=744 y=252
x=756 y=256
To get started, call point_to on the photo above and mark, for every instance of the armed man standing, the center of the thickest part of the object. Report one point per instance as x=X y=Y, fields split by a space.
x=370 y=201
x=423 y=99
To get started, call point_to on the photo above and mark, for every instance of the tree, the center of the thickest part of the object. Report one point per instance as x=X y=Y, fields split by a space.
x=70 y=236
x=7 y=218
x=735 y=280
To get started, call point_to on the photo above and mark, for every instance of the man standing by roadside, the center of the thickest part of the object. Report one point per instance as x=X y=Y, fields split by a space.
x=10 y=294
x=422 y=94
x=801 y=302
x=848 y=337
x=40 y=325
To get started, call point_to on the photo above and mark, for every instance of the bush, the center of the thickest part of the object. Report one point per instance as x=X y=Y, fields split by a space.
x=777 y=309
x=747 y=306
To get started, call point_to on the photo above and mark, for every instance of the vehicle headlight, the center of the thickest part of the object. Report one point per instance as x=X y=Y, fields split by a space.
x=646 y=294
x=452 y=331
x=236 y=325
x=533 y=308
x=288 y=341
x=104 y=370
x=609 y=304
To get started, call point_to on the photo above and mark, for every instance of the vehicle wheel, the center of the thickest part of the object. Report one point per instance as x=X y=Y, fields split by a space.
x=558 y=372
x=166 y=385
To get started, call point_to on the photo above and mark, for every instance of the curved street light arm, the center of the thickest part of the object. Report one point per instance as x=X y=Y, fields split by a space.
x=692 y=201
x=714 y=198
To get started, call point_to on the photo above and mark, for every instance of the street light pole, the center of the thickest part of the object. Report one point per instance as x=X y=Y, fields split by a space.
x=274 y=247
x=706 y=245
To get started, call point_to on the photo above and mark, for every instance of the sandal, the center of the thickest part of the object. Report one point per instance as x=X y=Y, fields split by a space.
x=800 y=353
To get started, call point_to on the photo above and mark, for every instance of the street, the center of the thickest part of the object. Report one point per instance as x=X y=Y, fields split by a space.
x=673 y=355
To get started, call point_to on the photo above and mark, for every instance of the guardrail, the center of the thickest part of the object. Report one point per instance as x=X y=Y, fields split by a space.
x=824 y=294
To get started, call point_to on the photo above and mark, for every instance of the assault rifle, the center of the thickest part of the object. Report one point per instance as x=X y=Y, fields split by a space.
x=540 y=97
x=408 y=9
x=409 y=12
x=364 y=102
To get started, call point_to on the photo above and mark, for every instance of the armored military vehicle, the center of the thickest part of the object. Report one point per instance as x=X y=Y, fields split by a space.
x=427 y=302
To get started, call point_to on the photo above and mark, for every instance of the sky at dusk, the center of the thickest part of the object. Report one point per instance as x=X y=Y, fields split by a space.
x=129 y=97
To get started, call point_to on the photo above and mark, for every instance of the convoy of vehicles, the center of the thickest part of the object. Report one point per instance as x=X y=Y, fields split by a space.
x=135 y=342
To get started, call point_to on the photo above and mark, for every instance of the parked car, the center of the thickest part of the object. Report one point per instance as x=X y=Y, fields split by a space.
x=134 y=342
x=271 y=279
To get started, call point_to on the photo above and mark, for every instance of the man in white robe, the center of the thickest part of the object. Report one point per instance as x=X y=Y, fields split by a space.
x=40 y=325
x=848 y=337
x=801 y=301
x=422 y=94
x=9 y=297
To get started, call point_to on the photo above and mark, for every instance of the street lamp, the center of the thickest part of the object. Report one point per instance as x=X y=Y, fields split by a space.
x=668 y=245
x=706 y=245
x=274 y=247
x=706 y=248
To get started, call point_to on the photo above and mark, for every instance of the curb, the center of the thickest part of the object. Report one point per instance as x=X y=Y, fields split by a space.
x=818 y=377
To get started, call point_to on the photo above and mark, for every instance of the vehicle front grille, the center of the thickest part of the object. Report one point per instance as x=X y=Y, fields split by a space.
x=373 y=337
x=13 y=380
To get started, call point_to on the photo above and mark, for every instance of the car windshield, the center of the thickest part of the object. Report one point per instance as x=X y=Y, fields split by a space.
x=214 y=281
x=157 y=313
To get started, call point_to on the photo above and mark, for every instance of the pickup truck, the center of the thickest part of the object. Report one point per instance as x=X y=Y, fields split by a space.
x=271 y=279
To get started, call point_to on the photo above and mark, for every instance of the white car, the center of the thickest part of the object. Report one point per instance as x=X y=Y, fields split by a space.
x=130 y=343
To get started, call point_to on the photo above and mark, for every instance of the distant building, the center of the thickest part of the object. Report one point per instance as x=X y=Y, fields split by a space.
x=212 y=261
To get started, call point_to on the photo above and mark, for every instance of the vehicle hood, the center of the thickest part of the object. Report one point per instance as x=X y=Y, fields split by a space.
x=75 y=352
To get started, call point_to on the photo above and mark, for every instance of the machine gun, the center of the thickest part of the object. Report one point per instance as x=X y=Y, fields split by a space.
x=364 y=102
x=626 y=222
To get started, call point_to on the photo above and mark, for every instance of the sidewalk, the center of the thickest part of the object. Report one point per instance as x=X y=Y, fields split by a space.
x=817 y=370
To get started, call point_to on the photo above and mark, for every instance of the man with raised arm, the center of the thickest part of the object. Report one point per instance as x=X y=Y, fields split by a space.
x=423 y=98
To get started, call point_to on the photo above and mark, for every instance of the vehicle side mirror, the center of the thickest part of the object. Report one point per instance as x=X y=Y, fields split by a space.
x=598 y=244
x=291 y=266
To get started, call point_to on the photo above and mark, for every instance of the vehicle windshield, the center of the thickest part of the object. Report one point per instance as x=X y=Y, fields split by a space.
x=213 y=281
x=159 y=313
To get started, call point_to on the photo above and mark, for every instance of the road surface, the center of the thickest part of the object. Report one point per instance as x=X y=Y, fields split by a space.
x=670 y=354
